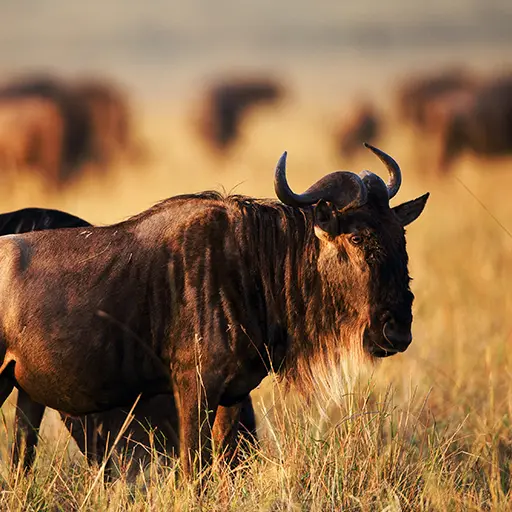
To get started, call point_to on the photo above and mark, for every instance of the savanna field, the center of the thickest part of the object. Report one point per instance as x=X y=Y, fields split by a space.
x=430 y=429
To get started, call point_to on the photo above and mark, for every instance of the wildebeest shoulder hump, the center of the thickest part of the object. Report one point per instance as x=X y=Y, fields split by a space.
x=15 y=254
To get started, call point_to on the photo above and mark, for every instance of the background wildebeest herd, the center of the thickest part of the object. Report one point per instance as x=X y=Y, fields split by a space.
x=191 y=303
x=58 y=127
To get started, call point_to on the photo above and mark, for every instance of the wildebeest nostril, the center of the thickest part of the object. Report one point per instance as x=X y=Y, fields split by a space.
x=398 y=337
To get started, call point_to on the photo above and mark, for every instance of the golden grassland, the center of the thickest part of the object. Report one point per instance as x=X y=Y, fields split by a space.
x=430 y=429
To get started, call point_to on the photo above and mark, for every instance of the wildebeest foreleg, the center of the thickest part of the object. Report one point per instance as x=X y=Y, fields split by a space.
x=28 y=418
x=197 y=407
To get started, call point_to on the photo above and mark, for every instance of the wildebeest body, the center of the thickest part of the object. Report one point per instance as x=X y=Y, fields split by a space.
x=99 y=302
x=122 y=299
x=94 y=431
x=55 y=126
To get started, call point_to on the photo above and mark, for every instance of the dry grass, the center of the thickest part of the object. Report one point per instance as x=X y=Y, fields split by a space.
x=427 y=430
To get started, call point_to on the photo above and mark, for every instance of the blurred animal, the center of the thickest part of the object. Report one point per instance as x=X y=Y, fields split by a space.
x=480 y=123
x=110 y=120
x=31 y=135
x=95 y=433
x=56 y=126
x=74 y=122
x=227 y=104
x=201 y=295
x=362 y=124
x=415 y=97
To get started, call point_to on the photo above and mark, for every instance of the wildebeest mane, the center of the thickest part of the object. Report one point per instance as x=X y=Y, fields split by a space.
x=281 y=244
x=162 y=205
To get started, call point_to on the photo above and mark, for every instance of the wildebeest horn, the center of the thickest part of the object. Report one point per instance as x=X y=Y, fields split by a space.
x=395 y=175
x=342 y=188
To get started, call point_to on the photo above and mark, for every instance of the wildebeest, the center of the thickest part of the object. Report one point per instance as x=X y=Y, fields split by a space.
x=480 y=123
x=56 y=126
x=37 y=219
x=94 y=433
x=203 y=294
x=75 y=123
x=31 y=135
x=415 y=97
x=110 y=118
x=227 y=103
x=361 y=124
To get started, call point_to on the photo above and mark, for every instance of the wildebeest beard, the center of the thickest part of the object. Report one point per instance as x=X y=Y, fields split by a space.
x=312 y=290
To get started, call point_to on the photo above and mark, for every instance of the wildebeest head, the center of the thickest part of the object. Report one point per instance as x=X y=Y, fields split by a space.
x=362 y=254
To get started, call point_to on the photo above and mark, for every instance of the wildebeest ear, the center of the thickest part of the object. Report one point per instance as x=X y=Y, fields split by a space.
x=326 y=223
x=410 y=211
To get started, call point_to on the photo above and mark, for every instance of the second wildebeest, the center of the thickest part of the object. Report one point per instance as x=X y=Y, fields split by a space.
x=360 y=123
x=226 y=105
x=480 y=124
x=415 y=96
x=426 y=104
x=75 y=123
x=110 y=120
x=57 y=126
x=203 y=294
x=31 y=135
x=95 y=433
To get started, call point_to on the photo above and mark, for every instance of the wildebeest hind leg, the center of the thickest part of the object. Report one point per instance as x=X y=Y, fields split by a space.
x=6 y=380
x=85 y=432
x=28 y=418
x=235 y=427
x=225 y=431
x=247 y=431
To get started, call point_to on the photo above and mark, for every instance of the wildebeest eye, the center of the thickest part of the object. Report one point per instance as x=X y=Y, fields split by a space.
x=356 y=239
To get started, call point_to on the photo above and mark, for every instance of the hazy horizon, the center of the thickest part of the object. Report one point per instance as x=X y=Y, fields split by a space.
x=168 y=46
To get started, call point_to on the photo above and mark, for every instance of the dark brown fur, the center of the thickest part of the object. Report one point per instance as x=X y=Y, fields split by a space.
x=200 y=296
x=95 y=433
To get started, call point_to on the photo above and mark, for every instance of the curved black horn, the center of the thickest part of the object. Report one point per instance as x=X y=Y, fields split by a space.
x=342 y=188
x=395 y=175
